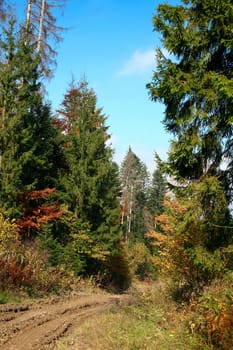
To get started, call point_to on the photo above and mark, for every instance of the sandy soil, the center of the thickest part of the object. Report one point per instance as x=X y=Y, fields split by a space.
x=38 y=325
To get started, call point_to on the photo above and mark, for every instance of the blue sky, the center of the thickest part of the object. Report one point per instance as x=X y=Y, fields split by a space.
x=112 y=43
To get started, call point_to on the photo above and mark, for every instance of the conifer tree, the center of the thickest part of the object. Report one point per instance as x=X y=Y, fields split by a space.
x=134 y=180
x=195 y=84
x=156 y=193
x=91 y=183
x=194 y=81
x=27 y=137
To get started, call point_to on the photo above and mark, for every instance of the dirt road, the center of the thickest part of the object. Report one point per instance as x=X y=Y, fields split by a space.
x=39 y=324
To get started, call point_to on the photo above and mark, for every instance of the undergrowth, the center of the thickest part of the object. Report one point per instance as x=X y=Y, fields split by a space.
x=7 y=297
x=212 y=316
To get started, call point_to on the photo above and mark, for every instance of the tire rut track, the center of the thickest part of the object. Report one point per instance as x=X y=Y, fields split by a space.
x=38 y=325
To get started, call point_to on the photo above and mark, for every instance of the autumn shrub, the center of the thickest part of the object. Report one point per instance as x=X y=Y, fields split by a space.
x=191 y=237
x=141 y=262
x=24 y=266
x=43 y=278
x=10 y=270
x=28 y=270
x=8 y=236
x=213 y=314
x=13 y=274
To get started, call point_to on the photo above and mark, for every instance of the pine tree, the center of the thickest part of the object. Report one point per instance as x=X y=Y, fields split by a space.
x=194 y=81
x=156 y=193
x=27 y=136
x=134 y=179
x=91 y=183
x=195 y=84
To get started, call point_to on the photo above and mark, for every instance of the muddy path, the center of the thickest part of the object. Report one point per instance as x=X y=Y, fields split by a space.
x=38 y=325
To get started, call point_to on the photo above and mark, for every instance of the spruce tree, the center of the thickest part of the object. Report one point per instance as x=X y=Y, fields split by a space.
x=27 y=137
x=195 y=84
x=194 y=81
x=134 y=181
x=156 y=193
x=90 y=183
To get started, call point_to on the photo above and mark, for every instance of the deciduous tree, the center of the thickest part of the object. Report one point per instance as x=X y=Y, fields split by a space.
x=190 y=237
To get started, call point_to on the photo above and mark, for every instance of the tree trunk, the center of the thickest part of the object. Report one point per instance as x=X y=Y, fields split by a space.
x=28 y=15
x=42 y=12
x=129 y=217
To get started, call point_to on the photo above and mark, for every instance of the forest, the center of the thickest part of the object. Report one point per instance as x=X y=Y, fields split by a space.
x=68 y=211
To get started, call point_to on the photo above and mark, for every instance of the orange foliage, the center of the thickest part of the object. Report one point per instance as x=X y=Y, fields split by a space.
x=59 y=124
x=14 y=274
x=40 y=215
x=220 y=327
x=36 y=212
x=164 y=221
x=38 y=194
x=172 y=256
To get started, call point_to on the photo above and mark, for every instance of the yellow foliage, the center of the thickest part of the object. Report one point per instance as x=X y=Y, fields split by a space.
x=169 y=244
x=170 y=238
x=82 y=236
x=98 y=253
x=220 y=326
x=142 y=263
x=8 y=234
x=86 y=246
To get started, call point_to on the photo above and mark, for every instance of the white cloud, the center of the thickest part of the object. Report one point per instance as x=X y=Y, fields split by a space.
x=139 y=63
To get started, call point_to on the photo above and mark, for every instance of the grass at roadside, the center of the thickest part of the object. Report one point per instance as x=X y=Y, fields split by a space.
x=152 y=323
x=7 y=297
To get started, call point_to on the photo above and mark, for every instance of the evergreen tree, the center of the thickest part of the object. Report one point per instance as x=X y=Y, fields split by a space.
x=156 y=193
x=27 y=137
x=134 y=180
x=195 y=84
x=90 y=183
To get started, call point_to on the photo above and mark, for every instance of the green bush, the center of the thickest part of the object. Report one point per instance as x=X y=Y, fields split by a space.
x=141 y=262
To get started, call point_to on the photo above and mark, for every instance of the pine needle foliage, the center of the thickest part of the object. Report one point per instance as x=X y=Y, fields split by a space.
x=194 y=81
x=193 y=78
x=27 y=137
x=90 y=183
